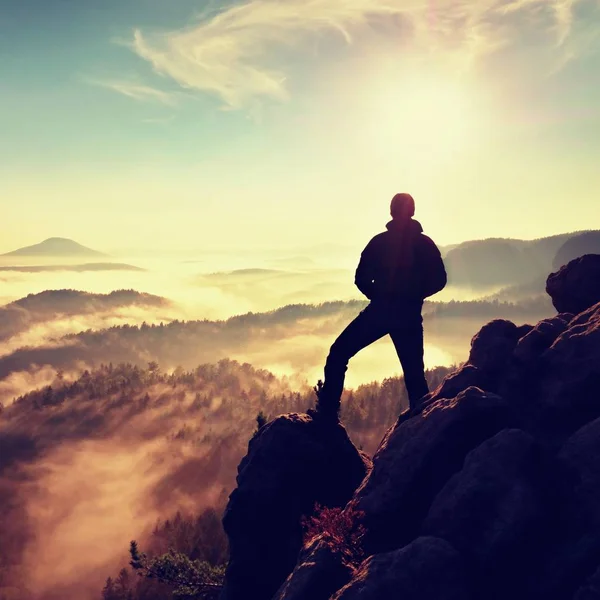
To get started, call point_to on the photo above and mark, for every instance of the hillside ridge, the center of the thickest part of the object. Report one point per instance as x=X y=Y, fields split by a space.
x=489 y=490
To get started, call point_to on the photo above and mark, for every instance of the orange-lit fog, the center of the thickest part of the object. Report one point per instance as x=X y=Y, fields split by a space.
x=98 y=473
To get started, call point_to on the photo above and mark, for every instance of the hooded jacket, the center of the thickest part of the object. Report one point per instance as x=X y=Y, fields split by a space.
x=401 y=266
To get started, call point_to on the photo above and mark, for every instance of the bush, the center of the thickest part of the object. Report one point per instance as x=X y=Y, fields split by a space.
x=187 y=578
x=261 y=421
x=341 y=529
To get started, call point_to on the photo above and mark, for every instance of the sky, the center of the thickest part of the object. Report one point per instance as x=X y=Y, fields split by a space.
x=192 y=125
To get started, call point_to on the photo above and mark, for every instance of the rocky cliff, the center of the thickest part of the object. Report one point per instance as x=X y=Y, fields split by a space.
x=490 y=491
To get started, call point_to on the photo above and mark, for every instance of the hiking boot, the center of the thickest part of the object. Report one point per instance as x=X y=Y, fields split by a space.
x=416 y=410
x=326 y=410
x=322 y=415
x=405 y=416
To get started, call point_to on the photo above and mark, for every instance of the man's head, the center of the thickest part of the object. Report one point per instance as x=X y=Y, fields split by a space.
x=402 y=206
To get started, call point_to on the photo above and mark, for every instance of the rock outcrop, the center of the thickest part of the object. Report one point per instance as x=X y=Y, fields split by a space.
x=320 y=572
x=576 y=286
x=416 y=459
x=490 y=491
x=292 y=463
x=501 y=506
x=426 y=568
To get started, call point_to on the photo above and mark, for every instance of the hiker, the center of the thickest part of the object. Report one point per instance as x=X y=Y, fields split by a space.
x=398 y=269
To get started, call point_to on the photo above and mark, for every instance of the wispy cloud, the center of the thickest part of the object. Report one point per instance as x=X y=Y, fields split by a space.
x=137 y=91
x=159 y=120
x=233 y=54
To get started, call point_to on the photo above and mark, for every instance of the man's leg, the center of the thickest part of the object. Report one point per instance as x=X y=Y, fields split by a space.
x=366 y=328
x=408 y=342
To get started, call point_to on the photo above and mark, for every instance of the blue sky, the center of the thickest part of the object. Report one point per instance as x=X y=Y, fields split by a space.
x=187 y=125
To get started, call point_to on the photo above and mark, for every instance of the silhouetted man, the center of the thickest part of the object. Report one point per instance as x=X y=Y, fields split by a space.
x=398 y=269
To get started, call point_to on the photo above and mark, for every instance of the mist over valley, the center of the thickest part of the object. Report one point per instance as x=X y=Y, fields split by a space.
x=130 y=395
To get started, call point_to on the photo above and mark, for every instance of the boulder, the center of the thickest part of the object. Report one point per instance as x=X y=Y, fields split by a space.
x=576 y=286
x=416 y=459
x=492 y=348
x=568 y=563
x=569 y=388
x=457 y=382
x=499 y=510
x=292 y=463
x=581 y=452
x=320 y=572
x=476 y=494
x=591 y=589
x=531 y=346
x=426 y=569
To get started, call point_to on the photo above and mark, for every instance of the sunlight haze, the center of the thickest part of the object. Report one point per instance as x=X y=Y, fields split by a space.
x=191 y=273
x=188 y=125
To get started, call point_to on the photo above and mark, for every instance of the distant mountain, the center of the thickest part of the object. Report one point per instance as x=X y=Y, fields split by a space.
x=22 y=315
x=502 y=262
x=73 y=268
x=578 y=245
x=55 y=246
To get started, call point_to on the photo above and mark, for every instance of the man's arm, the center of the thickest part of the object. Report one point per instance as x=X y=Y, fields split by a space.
x=434 y=275
x=365 y=272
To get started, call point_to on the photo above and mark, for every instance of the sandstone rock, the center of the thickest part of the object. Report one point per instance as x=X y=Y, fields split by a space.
x=567 y=565
x=513 y=513
x=569 y=389
x=531 y=346
x=320 y=572
x=465 y=377
x=492 y=347
x=582 y=453
x=591 y=589
x=574 y=550
x=292 y=463
x=426 y=569
x=416 y=459
x=498 y=511
x=576 y=286
x=523 y=330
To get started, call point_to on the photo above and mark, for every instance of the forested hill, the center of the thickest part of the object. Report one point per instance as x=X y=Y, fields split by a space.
x=158 y=442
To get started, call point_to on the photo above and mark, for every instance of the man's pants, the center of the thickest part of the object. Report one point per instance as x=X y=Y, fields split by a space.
x=369 y=326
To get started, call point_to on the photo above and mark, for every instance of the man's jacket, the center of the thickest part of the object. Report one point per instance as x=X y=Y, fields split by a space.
x=401 y=267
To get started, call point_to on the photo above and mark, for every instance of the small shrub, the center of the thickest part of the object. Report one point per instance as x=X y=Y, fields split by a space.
x=261 y=421
x=187 y=578
x=342 y=530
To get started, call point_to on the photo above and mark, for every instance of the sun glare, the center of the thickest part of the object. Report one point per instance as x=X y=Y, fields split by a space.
x=424 y=119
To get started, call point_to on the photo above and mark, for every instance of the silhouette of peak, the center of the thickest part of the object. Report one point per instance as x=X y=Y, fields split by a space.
x=55 y=246
x=57 y=239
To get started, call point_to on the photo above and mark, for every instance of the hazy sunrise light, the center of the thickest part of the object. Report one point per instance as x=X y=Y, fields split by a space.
x=208 y=208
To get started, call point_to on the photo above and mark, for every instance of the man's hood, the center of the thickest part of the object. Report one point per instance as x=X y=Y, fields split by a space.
x=412 y=227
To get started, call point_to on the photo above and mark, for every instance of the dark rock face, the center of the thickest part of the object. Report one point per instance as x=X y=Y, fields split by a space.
x=499 y=508
x=570 y=385
x=576 y=286
x=416 y=459
x=457 y=382
x=490 y=490
x=292 y=463
x=492 y=347
x=426 y=569
x=574 y=558
x=582 y=453
x=591 y=589
x=320 y=572
x=531 y=346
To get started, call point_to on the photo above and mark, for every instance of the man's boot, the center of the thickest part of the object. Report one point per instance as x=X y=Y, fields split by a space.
x=327 y=409
x=416 y=409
